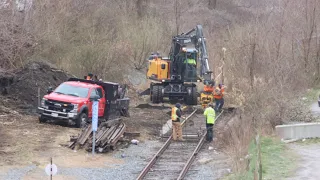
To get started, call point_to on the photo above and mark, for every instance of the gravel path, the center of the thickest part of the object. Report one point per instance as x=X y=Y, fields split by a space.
x=315 y=109
x=135 y=157
x=17 y=173
x=209 y=164
x=309 y=166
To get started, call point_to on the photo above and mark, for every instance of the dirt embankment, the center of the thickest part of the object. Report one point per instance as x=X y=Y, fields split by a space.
x=20 y=87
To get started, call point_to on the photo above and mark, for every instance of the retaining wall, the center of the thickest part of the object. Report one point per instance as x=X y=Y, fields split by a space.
x=298 y=131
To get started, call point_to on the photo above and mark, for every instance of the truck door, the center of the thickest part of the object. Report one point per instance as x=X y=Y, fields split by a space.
x=102 y=101
x=92 y=94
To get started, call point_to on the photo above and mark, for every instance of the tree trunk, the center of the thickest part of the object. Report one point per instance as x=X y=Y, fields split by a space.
x=251 y=65
x=177 y=15
x=212 y=4
x=141 y=7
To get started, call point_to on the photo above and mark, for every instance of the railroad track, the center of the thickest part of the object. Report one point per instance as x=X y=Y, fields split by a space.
x=174 y=158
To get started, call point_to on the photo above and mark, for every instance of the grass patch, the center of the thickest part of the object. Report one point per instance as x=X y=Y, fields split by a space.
x=312 y=95
x=277 y=161
x=308 y=141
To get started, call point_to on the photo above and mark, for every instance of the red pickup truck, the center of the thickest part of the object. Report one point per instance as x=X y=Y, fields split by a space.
x=72 y=101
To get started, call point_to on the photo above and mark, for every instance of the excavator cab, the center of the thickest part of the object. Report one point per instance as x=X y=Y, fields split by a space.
x=190 y=65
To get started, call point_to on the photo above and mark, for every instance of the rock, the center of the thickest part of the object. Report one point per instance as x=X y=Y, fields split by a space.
x=134 y=141
x=205 y=160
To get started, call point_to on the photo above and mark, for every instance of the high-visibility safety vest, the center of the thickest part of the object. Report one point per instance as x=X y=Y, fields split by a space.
x=210 y=115
x=174 y=114
x=190 y=61
x=218 y=93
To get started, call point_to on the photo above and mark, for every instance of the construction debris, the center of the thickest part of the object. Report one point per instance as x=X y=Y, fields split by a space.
x=107 y=136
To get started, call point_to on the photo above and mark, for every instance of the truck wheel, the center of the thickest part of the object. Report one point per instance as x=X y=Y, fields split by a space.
x=194 y=96
x=160 y=95
x=155 y=94
x=42 y=119
x=151 y=87
x=82 y=120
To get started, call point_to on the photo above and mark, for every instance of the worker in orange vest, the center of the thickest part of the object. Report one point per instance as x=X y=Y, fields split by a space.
x=176 y=124
x=218 y=96
x=90 y=76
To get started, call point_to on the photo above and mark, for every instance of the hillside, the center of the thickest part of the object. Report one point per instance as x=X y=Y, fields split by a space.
x=266 y=52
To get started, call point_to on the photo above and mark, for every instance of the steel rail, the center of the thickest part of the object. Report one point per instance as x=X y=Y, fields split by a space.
x=160 y=152
x=194 y=154
x=192 y=157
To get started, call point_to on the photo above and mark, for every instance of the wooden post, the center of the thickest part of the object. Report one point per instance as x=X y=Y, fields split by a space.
x=222 y=68
x=258 y=165
x=39 y=103
x=51 y=169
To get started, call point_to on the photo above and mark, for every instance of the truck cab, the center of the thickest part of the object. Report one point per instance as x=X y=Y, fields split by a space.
x=72 y=101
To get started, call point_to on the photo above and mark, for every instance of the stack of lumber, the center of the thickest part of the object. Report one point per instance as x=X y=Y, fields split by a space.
x=107 y=136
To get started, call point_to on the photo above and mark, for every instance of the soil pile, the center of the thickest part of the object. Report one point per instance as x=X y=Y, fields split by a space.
x=21 y=86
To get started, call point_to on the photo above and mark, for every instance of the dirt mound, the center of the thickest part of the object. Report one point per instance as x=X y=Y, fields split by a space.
x=21 y=86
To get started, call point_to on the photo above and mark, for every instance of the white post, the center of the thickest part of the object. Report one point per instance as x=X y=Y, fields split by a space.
x=95 y=111
x=93 y=142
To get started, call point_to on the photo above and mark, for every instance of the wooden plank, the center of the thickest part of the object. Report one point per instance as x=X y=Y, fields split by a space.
x=102 y=134
x=72 y=144
x=118 y=136
x=86 y=135
x=112 y=122
x=114 y=134
x=131 y=134
x=106 y=136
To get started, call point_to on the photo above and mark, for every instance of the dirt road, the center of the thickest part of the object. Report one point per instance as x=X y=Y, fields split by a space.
x=309 y=164
x=315 y=109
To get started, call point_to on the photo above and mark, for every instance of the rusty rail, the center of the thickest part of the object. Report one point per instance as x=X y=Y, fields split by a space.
x=154 y=159
x=194 y=154
x=192 y=157
x=160 y=152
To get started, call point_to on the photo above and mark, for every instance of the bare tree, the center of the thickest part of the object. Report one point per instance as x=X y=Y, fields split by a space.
x=212 y=4
x=308 y=33
x=142 y=6
x=177 y=14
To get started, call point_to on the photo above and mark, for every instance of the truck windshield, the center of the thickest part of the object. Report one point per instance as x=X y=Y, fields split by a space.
x=70 y=90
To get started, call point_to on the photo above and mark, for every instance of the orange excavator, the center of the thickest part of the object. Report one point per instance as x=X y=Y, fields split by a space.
x=175 y=77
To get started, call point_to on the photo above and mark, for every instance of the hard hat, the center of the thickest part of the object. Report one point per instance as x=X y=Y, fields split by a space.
x=178 y=105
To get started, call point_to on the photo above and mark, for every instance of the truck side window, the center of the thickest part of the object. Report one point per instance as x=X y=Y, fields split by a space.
x=99 y=91
x=93 y=92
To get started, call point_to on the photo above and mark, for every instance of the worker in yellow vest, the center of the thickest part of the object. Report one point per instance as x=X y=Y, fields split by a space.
x=176 y=124
x=210 y=116
x=190 y=67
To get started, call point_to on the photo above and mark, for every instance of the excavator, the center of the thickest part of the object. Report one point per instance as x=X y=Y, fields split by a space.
x=175 y=76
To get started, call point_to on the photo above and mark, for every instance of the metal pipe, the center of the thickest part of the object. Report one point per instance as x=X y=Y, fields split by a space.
x=93 y=142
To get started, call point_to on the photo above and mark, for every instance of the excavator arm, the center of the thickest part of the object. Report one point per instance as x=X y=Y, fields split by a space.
x=206 y=96
x=200 y=44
